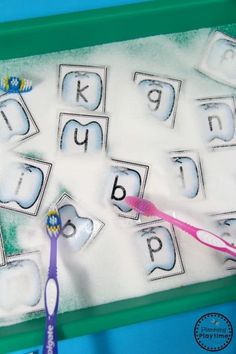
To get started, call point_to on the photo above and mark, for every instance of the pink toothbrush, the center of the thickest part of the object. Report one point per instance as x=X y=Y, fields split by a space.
x=147 y=208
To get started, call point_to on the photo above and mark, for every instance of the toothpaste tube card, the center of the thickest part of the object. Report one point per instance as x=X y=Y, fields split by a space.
x=226 y=228
x=83 y=86
x=126 y=178
x=79 y=227
x=16 y=121
x=159 y=249
x=22 y=185
x=160 y=96
x=188 y=174
x=219 y=58
x=217 y=120
x=82 y=133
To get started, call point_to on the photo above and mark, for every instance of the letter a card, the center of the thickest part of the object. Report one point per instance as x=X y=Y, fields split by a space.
x=126 y=178
x=80 y=133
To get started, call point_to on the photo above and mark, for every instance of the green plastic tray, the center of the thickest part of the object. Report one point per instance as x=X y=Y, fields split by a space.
x=56 y=33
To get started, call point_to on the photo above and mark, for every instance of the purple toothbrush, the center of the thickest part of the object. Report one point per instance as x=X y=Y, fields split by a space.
x=51 y=295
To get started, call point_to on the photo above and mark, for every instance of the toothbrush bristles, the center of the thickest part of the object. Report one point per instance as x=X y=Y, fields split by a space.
x=53 y=225
x=142 y=206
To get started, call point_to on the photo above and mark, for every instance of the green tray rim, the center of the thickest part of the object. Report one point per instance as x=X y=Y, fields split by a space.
x=75 y=30
x=121 y=313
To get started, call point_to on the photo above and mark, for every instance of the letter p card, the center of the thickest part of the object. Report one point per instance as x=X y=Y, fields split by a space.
x=159 y=248
x=126 y=178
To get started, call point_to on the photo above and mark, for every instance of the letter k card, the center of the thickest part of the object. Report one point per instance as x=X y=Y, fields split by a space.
x=83 y=86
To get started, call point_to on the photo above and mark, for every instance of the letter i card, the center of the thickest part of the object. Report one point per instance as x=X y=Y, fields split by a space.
x=187 y=170
x=23 y=184
x=80 y=133
x=126 y=178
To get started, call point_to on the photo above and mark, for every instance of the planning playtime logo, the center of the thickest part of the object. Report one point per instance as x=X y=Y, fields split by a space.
x=213 y=332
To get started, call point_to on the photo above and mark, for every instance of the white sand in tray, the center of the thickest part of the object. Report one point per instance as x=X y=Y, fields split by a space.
x=110 y=268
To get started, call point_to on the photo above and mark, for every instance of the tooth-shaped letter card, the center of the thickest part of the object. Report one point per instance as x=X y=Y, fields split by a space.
x=82 y=133
x=126 y=178
x=217 y=118
x=83 y=86
x=79 y=227
x=159 y=250
x=16 y=121
x=21 y=285
x=23 y=183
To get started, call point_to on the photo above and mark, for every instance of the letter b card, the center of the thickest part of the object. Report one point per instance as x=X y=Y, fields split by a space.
x=126 y=178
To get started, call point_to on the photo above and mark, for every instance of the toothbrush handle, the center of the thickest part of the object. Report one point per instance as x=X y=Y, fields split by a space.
x=51 y=305
x=51 y=298
x=215 y=242
x=203 y=236
x=192 y=230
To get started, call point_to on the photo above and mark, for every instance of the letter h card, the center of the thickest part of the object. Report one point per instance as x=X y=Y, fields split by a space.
x=80 y=133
